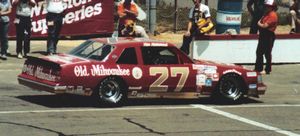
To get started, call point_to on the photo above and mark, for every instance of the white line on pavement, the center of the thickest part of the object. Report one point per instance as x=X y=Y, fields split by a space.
x=141 y=108
x=257 y=106
x=245 y=120
x=95 y=109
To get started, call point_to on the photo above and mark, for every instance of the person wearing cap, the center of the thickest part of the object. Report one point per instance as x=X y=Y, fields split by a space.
x=5 y=9
x=199 y=24
x=127 y=12
x=256 y=9
x=295 y=13
x=267 y=26
x=54 y=18
x=23 y=25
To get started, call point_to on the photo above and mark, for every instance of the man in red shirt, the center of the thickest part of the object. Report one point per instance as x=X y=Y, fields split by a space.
x=267 y=26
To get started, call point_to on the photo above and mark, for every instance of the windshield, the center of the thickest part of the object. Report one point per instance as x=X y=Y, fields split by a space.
x=92 y=50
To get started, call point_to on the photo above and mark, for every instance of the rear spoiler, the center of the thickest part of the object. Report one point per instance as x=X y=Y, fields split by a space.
x=40 y=61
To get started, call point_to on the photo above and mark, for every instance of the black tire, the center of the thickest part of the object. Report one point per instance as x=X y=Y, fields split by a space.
x=111 y=91
x=231 y=88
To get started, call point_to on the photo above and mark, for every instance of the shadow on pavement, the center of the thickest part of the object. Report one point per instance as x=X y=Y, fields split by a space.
x=61 y=101
x=39 y=52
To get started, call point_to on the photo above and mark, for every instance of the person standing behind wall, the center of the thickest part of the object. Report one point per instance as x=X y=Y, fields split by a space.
x=5 y=9
x=256 y=9
x=23 y=25
x=295 y=13
x=54 y=19
x=199 y=23
x=127 y=12
x=267 y=26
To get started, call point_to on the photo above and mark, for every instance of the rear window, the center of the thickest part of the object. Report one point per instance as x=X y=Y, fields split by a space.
x=92 y=50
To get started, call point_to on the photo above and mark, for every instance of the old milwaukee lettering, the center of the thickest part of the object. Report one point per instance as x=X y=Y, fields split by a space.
x=100 y=70
x=38 y=72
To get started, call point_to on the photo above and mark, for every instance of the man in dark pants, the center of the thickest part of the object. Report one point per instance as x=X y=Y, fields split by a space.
x=267 y=26
x=256 y=12
x=199 y=11
x=295 y=13
x=54 y=22
x=23 y=25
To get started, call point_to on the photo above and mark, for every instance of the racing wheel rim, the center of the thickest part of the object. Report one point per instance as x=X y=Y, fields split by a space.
x=110 y=91
x=230 y=87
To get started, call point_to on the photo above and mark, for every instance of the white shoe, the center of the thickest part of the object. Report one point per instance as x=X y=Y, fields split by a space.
x=263 y=72
x=20 y=56
x=4 y=57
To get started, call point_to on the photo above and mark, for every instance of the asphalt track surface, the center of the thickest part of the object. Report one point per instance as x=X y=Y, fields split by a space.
x=25 y=112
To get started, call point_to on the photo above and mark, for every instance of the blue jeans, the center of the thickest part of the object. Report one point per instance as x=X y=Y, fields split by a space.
x=53 y=31
x=4 y=37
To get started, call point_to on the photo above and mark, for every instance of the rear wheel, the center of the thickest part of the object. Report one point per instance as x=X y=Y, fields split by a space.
x=111 y=91
x=231 y=87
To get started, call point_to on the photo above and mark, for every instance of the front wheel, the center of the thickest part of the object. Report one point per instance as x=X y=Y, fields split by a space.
x=111 y=91
x=231 y=88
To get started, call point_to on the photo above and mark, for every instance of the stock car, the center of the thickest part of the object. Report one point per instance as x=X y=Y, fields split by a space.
x=114 y=69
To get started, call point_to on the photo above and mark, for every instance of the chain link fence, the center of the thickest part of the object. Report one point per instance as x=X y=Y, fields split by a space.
x=168 y=19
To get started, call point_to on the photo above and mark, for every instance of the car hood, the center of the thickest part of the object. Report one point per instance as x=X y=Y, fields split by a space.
x=218 y=64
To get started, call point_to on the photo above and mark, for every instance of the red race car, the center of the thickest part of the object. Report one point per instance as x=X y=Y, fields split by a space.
x=114 y=69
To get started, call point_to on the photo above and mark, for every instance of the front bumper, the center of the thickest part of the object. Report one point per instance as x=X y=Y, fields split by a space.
x=257 y=89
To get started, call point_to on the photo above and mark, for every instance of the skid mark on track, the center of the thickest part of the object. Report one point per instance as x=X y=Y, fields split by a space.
x=31 y=126
x=143 y=126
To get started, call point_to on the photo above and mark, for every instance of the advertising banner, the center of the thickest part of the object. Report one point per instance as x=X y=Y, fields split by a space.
x=81 y=18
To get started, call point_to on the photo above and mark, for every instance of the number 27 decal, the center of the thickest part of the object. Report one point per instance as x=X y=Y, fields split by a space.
x=157 y=86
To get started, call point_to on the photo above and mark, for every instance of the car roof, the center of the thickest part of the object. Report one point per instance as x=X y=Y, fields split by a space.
x=128 y=41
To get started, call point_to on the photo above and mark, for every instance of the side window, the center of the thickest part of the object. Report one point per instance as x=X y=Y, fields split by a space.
x=158 y=55
x=128 y=56
x=91 y=48
x=100 y=53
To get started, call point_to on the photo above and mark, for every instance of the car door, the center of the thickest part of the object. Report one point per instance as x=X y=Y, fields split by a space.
x=165 y=72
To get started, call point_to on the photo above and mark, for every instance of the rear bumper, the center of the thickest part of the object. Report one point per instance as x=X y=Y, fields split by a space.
x=56 y=88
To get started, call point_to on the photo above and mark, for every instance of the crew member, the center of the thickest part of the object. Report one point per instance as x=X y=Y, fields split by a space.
x=128 y=13
x=295 y=13
x=23 y=25
x=54 y=22
x=267 y=26
x=256 y=9
x=199 y=24
x=5 y=9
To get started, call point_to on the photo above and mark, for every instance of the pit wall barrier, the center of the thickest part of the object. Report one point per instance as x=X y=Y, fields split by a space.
x=242 y=48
